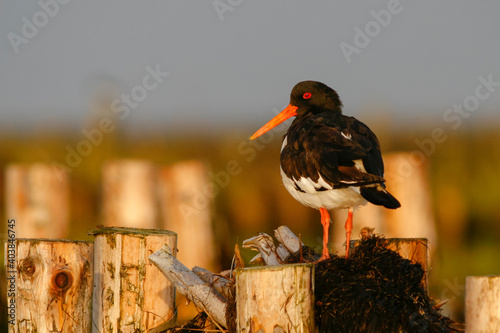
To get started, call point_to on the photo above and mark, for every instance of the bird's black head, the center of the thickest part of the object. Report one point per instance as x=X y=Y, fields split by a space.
x=307 y=98
x=314 y=97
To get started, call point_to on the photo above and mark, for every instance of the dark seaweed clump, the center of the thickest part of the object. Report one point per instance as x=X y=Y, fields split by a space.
x=374 y=290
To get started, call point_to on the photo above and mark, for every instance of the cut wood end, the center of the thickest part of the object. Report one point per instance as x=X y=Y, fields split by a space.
x=163 y=254
x=167 y=249
x=288 y=239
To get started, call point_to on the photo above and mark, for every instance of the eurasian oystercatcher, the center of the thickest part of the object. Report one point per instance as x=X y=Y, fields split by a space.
x=329 y=160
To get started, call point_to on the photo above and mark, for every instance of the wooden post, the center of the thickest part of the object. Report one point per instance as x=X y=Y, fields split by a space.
x=37 y=198
x=130 y=294
x=186 y=196
x=52 y=284
x=482 y=304
x=414 y=249
x=129 y=194
x=275 y=299
x=408 y=180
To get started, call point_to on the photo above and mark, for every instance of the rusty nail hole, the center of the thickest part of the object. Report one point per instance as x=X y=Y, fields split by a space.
x=28 y=267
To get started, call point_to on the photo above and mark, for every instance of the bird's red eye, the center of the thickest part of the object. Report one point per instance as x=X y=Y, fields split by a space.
x=307 y=95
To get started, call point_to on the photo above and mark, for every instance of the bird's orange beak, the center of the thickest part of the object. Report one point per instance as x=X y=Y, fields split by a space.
x=288 y=112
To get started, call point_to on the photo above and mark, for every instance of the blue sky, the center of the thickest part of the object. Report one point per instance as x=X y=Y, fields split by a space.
x=233 y=61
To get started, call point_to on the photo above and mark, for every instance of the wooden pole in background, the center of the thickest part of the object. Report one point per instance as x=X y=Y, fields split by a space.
x=186 y=200
x=408 y=180
x=482 y=304
x=275 y=298
x=53 y=286
x=37 y=196
x=186 y=203
x=129 y=194
x=131 y=294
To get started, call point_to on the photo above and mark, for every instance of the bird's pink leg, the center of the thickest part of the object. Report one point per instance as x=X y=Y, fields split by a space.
x=325 y=221
x=348 y=231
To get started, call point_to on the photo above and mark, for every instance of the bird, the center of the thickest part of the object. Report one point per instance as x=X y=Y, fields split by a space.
x=329 y=160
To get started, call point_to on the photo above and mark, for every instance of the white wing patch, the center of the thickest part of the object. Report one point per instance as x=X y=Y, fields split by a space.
x=359 y=165
x=348 y=181
x=309 y=186
x=283 y=145
x=329 y=199
x=347 y=136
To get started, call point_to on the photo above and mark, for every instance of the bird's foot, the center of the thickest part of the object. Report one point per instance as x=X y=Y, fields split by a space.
x=324 y=255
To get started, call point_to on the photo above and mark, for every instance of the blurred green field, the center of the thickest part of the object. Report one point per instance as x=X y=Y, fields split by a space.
x=463 y=171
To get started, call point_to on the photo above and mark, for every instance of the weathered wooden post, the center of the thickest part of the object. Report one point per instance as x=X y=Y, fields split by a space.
x=130 y=294
x=275 y=299
x=186 y=196
x=482 y=304
x=50 y=285
x=130 y=194
x=37 y=197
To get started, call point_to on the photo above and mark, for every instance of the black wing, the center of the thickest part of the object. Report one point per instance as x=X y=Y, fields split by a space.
x=342 y=155
x=341 y=150
x=372 y=163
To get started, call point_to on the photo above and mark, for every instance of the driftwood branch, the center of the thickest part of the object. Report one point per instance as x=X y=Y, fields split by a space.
x=288 y=239
x=268 y=252
x=265 y=245
x=222 y=284
x=282 y=252
x=203 y=296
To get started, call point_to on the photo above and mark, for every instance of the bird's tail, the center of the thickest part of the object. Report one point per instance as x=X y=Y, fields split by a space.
x=378 y=195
